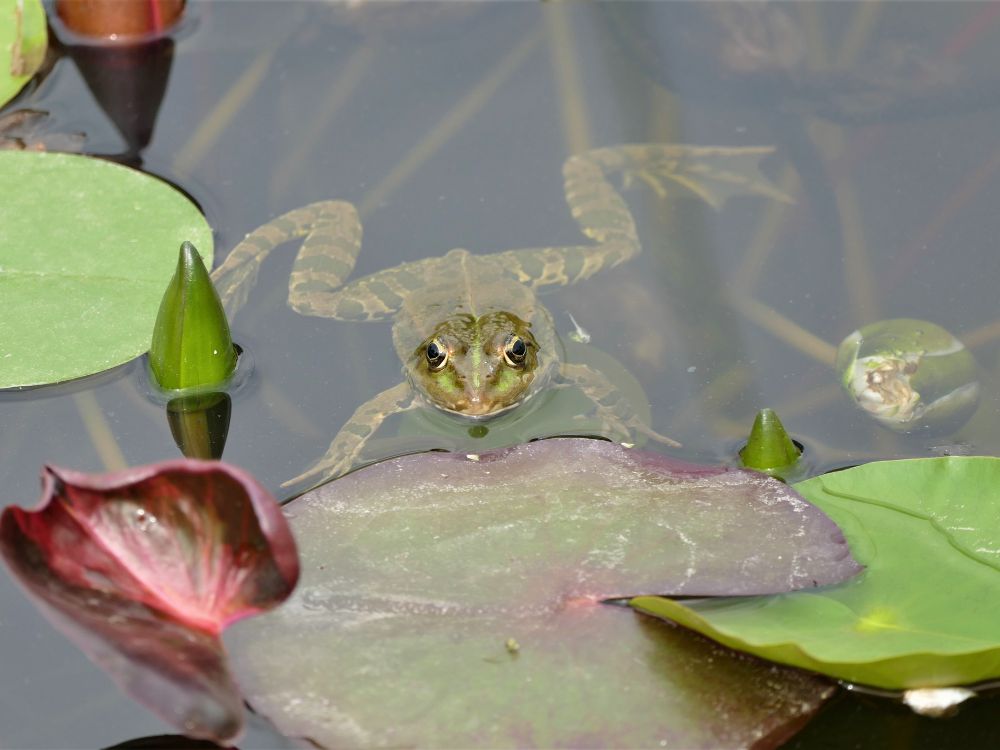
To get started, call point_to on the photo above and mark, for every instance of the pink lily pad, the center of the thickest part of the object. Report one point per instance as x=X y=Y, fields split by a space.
x=144 y=568
x=454 y=601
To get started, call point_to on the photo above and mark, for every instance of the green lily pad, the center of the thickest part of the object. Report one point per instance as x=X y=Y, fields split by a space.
x=449 y=601
x=925 y=611
x=23 y=39
x=87 y=249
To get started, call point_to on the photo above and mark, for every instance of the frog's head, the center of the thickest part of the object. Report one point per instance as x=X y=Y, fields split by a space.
x=476 y=366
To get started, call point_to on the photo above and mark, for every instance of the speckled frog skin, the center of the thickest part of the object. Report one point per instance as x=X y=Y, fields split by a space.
x=472 y=336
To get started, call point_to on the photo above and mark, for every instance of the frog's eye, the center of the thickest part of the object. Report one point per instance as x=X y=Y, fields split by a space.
x=514 y=351
x=437 y=355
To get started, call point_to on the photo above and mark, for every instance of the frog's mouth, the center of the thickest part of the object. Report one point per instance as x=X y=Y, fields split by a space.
x=478 y=412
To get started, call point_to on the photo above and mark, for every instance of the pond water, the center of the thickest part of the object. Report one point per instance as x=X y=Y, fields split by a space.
x=447 y=126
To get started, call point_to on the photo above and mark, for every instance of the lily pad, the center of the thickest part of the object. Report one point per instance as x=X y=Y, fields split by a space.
x=924 y=612
x=457 y=601
x=23 y=38
x=83 y=270
x=143 y=568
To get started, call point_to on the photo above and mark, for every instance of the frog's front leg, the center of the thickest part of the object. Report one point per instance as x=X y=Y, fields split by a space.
x=615 y=413
x=350 y=441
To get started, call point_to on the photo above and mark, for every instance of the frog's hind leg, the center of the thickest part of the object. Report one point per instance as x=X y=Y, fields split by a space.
x=617 y=417
x=346 y=447
x=332 y=234
x=377 y=296
x=711 y=173
x=602 y=215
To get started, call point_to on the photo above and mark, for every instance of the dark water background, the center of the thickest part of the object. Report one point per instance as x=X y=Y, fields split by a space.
x=447 y=125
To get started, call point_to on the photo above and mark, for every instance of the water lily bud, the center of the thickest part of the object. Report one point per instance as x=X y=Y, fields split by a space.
x=117 y=21
x=909 y=375
x=769 y=448
x=191 y=344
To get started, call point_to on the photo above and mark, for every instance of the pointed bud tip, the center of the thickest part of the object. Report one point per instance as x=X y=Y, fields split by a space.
x=769 y=445
x=190 y=263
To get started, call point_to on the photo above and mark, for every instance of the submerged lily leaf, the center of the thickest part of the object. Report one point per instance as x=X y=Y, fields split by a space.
x=23 y=39
x=454 y=601
x=143 y=568
x=82 y=272
x=910 y=375
x=923 y=614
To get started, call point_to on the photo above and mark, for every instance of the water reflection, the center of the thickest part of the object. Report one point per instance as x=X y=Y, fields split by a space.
x=128 y=82
x=200 y=424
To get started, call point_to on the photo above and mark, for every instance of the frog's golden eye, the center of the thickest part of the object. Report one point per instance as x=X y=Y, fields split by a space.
x=437 y=355
x=514 y=351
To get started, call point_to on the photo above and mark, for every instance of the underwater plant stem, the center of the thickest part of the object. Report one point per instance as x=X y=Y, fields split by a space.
x=811 y=22
x=207 y=134
x=859 y=274
x=100 y=432
x=765 y=238
x=984 y=334
x=566 y=69
x=287 y=412
x=336 y=96
x=782 y=328
x=453 y=120
x=862 y=25
x=719 y=391
x=970 y=187
x=811 y=401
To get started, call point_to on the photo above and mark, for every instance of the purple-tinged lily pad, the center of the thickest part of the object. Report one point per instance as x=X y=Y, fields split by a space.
x=453 y=601
x=143 y=568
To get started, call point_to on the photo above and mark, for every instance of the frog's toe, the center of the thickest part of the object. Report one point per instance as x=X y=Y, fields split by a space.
x=615 y=429
x=654 y=435
x=654 y=181
x=308 y=473
x=323 y=470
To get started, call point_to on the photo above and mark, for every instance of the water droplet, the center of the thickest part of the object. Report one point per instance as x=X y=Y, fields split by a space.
x=144 y=519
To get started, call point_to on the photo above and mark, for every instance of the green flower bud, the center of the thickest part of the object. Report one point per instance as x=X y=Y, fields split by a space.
x=909 y=375
x=769 y=448
x=191 y=345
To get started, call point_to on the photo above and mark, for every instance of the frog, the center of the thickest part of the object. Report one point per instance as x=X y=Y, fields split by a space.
x=25 y=130
x=471 y=334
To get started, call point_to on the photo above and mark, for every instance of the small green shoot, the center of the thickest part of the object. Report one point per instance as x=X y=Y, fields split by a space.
x=191 y=346
x=769 y=448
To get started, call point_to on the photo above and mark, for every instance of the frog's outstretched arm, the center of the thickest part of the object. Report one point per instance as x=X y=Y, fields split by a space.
x=712 y=173
x=617 y=417
x=332 y=234
x=349 y=442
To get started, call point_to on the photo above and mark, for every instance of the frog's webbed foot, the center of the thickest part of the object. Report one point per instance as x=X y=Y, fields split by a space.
x=712 y=173
x=617 y=417
x=346 y=447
